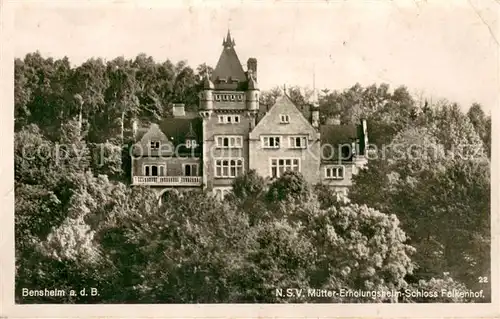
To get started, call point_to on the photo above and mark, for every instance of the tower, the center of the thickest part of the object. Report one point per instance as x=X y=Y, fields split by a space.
x=206 y=97
x=252 y=98
x=227 y=118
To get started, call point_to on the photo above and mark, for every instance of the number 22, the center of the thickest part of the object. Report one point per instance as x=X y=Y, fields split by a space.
x=482 y=279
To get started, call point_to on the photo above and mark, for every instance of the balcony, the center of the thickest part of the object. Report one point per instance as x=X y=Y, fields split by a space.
x=167 y=180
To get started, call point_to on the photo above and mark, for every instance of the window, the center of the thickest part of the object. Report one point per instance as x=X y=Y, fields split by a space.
x=271 y=142
x=221 y=192
x=280 y=165
x=228 y=168
x=228 y=119
x=155 y=170
x=334 y=172
x=228 y=97
x=284 y=119
x=190 y=169
x=191 y=144
x=155 y=145
x=298 y=142
x=229 y=141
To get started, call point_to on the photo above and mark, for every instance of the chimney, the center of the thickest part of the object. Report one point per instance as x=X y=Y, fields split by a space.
x=178 y=110
x=252 y=65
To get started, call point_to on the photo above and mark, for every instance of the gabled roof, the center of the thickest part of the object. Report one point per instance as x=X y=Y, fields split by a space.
x=229 y=64
x=178 y=129
x=173 y=130
x=270 y=121
x=263 y=109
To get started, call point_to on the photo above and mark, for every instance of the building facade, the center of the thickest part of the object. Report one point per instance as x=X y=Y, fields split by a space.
x=232 y=134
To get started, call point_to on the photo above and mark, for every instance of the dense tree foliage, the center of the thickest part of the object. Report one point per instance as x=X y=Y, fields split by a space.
x=441 y=193
x=418 y=216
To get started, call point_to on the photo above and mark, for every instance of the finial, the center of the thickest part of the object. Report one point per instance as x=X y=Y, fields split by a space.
x=228 y=42
x=284 y=88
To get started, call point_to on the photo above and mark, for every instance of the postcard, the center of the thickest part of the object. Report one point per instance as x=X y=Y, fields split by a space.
x=249 y=159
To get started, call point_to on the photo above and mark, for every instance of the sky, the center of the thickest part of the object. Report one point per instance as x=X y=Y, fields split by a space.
x=441 y=49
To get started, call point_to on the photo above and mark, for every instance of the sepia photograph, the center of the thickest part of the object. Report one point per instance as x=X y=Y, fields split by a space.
x=199 y=152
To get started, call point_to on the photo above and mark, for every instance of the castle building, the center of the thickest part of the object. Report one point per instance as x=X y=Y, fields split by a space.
x=232 y=134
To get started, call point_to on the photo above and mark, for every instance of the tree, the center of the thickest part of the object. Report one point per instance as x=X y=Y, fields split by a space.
x=88 y=84
x=122 y=90
x=186 y=85
x=41 y=91
x=268 y=98
x=76 y=251
x=481 y=123
x=249 y=184
x=291 y=184
x=441 y=198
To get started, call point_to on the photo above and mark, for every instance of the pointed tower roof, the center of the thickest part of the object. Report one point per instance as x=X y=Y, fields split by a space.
x=229 y=64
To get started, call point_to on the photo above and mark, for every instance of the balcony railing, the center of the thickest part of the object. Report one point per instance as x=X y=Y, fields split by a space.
x=168 y=180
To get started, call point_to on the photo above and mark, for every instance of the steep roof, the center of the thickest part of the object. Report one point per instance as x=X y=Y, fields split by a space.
x=173 y=130
x=334 y=136
x=270 y=121
x=338 y=134
x=229 y=64
x=178 y=129
x=263 y=109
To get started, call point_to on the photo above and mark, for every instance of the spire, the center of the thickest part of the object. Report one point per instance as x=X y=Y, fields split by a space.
x=228 y=42
x=228 y=72
x=191 y=133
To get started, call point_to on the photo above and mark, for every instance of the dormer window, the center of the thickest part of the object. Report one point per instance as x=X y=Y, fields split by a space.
x=284 y=119
x=155 y=145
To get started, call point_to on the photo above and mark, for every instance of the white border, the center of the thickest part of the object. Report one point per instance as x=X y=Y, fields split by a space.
x=7 y=307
